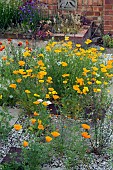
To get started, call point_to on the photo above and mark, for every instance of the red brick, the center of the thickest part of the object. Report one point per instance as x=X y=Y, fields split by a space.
x=85 y=2
x=89 y=13
x=107 y=27
x=94 y=18
x=108 y=6
x=89 y=8
x=107 y=18
x=96 y=13
x=110 y=12
x=97 y=8
x=90 y=2
x=108 y=1
x=95 y=2
x=105 y=12
x=51 y=7
x=108 y=31
x=80 y=2
x=100 y=2
x=107 y=22
x=50 y=1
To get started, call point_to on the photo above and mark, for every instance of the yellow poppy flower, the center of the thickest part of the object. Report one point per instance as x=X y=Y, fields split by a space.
x=55 y=97
x=18 y=80
x=21 y=63
x=27 y=91
x=64 y=64
x=98 y=82
x=40 y=63
x=0 y=96
x=88 y=41
x=78 y=45
x=36 y=114
x=66 y=38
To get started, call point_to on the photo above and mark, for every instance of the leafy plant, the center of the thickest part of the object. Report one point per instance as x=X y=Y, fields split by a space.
x=69 y=23
x=5 y=126
x=9 y=12
x=108 y=41
x=30 y=14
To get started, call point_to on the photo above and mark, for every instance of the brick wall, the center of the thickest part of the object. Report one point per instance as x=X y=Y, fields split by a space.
x=99 y=11
x=108 y=16
x=93 y=9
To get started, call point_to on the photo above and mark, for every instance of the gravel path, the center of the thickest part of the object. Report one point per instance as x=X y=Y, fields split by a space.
x=15 y=139
x=33 y=43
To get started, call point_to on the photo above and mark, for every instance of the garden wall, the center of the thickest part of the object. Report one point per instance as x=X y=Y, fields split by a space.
x=108 y=16
x=99 y=11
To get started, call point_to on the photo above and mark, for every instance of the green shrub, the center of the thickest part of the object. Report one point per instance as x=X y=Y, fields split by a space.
x=108 y=41
x=9 y=13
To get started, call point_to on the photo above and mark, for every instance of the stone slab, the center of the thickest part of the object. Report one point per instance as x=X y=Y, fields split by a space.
x=14 y=112
x=48 y=168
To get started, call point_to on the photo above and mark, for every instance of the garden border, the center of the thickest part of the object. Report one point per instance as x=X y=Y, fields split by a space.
x=80 y=37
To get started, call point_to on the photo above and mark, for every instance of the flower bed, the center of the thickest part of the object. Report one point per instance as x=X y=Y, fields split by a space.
x=80 y=37
x=72 y=78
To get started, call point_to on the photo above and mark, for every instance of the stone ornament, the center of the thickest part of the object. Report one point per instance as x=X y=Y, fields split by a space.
x=67 y=4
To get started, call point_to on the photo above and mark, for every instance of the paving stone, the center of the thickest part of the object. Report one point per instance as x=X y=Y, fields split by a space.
x=14 y=112
x=111 y=90
x=48 y=168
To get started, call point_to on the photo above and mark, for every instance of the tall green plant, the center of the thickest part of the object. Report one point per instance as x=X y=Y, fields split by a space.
x=9 y=13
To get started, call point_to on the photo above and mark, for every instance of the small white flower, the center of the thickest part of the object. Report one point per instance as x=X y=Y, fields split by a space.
x=11 y=96
x=58 y=63
x=98 y=75
x=40 y=100
x=49 y=22
x=48 y=102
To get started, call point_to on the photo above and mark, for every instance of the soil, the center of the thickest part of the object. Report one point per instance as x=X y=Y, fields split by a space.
x=15 y=151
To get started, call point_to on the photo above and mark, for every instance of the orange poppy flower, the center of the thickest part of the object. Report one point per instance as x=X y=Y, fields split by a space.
x=40 y=127
x=18 y=80
x=27 y=42
x=55 y=97
x=17 y=127
x=21 y=63
x=48 y=138
x=85 y=135
x=2 y=48
x=36 y=114
x=13 y=86
x=25 y=143
x=85 y=126
x=33 y=121
x=55 y=134
x=4 y=58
